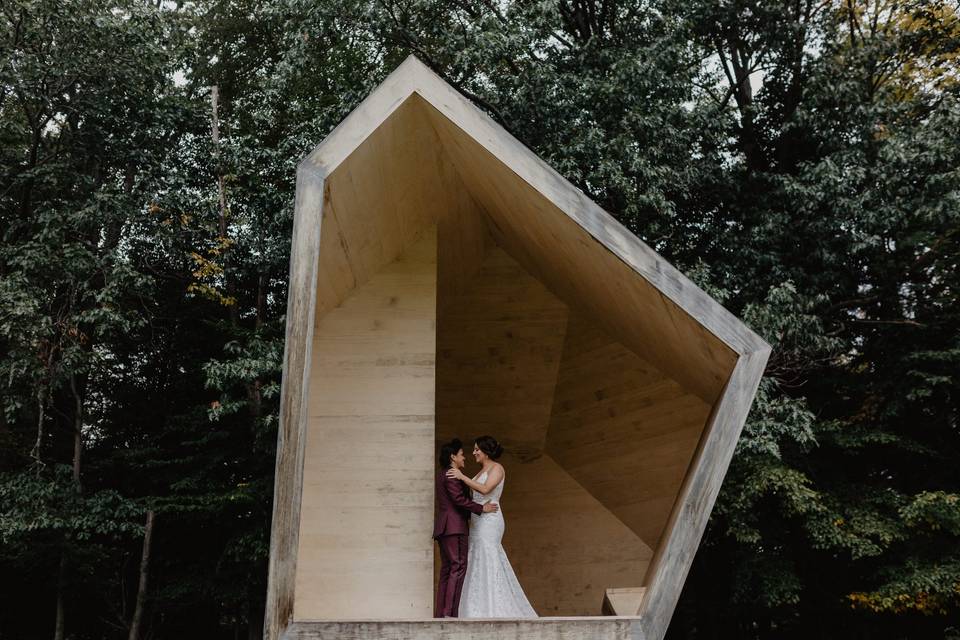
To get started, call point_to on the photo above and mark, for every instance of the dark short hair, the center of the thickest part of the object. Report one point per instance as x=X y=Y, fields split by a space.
x=447 y=450
x=490 y=446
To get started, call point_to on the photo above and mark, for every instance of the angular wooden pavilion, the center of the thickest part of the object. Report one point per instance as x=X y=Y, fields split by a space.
x=445 y=281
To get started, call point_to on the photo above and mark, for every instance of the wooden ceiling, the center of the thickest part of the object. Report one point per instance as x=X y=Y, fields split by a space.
x=544 y=334
x=418 y=168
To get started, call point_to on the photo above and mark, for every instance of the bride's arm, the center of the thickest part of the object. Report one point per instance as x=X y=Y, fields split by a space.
x=493 y=479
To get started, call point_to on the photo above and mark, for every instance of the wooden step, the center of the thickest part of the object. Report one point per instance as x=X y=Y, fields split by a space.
x=623 y=601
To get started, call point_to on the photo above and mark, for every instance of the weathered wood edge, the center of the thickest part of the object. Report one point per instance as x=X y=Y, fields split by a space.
x=364 y=119
x=291 y=435
x=583 y=628
x=414 y=76
x=688 y=520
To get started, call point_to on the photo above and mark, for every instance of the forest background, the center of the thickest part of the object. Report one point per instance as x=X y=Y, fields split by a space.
x=799 y=159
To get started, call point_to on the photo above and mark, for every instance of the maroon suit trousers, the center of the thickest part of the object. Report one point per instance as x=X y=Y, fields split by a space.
x=453 y=569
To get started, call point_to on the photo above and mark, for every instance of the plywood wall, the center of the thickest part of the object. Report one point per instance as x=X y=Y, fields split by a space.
x=500 y=341
x=620 y=427
x=499 y=344
x=381 y=198
x=565 y=546
x=576 y=267
x=367 y=509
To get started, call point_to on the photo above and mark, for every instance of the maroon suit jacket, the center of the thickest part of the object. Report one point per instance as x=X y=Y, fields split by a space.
x=453 y=506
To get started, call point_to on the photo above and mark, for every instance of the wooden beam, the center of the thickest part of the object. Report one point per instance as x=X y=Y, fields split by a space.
x=690 y=514
x=608 y=628
x=288 y=481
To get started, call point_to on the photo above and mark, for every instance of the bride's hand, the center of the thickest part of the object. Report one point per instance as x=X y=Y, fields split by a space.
x=455 y=473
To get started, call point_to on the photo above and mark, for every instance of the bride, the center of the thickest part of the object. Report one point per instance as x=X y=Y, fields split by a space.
x=490 y=588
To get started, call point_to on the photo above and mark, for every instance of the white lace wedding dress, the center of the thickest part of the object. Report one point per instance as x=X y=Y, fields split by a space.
x=490 y=588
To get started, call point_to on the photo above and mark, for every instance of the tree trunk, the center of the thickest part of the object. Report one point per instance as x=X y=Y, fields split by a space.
x=36 y=453
x=58 y=626
x=41 y=414
x=77 y=431
x=215 y=135
x=137 y=623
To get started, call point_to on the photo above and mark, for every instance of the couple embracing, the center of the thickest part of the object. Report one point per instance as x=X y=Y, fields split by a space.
x=476 y=579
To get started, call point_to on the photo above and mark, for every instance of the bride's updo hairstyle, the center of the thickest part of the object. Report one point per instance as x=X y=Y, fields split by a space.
x=490 y=446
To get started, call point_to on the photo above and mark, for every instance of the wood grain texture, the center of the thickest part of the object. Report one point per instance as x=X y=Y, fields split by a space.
x=688 y=520
x=583 y=273
x=381 y=197
x=499 y=343
x=463 y=236
x=367 y=507
x=602 y=227
x=291 y=436
x=623 y=601
x=601 y=628
x=565 y=545
x=500 y=338
x=623 y=429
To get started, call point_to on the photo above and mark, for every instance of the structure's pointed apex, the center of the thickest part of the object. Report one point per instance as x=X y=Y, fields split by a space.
x=413 y=61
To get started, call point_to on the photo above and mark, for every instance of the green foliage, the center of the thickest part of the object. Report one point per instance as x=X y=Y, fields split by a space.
x=48 y=504
x=799 y=160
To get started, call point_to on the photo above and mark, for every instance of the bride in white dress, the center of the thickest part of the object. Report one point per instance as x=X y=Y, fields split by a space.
x=490 y=588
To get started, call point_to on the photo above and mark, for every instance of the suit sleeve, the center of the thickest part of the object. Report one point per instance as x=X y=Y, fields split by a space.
x=455 y=491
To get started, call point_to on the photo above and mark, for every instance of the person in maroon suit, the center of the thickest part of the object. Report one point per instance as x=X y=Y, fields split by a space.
x=450 y=529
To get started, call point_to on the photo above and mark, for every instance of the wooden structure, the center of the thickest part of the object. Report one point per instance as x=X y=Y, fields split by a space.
x=445 y=281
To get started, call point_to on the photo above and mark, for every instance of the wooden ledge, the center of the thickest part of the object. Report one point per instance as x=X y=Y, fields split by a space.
x=560 y=628
x=623 y=601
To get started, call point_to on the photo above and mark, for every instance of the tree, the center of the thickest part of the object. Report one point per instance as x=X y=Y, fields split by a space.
x=798 y=159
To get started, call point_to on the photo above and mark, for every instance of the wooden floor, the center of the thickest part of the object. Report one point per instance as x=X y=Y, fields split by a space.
x=605 y=628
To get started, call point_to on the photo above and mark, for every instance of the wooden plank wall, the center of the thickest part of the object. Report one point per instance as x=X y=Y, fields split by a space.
x=367 y=506
x=381 y=198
